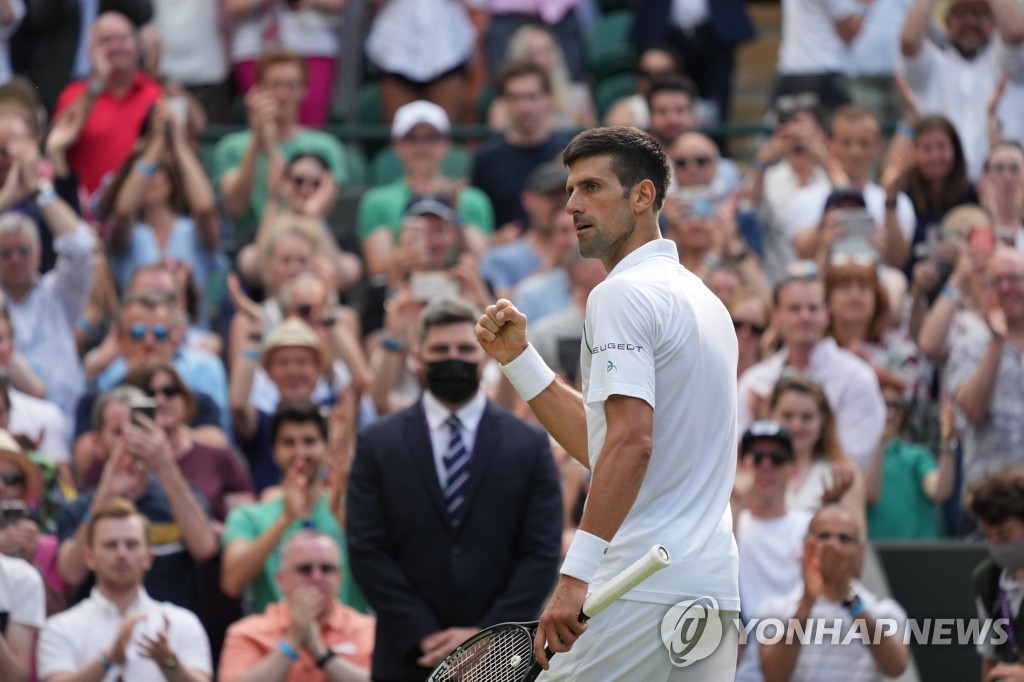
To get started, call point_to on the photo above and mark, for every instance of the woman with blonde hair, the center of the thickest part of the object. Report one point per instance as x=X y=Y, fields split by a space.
x=573 y=105
x=824 y=474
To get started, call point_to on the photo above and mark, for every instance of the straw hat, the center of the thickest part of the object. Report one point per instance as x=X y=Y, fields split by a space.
x=11 y=453
x=294 y=333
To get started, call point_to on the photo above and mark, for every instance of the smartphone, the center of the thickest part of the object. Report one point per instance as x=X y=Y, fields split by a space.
x=426 y=286
x=12 y=511
x=144 y=406
x=856 y=225
x=179 y=109
x=698 y=202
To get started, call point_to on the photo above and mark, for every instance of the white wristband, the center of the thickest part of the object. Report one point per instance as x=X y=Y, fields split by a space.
x=584 y=556
x=528 y=373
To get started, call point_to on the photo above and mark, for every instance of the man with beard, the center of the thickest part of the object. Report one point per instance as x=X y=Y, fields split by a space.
x=959 y=79
x=454 y=508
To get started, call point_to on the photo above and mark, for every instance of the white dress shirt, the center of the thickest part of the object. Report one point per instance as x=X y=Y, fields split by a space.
x=437 y=414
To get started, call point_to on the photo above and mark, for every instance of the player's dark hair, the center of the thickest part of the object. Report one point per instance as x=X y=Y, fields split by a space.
x=635 y=154
x=297 y=412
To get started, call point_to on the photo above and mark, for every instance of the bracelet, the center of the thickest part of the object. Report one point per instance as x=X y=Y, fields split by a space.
x=949 y=446
x=325 y=659
x=759 y=165
x=144 y=168
x=890 y=203
x=529 y=374
x=395 y=345
x=288 y=650
x=45 y=193
x=251 y=354
x=906 y=131
x=950 y=292
x=854 y=606
x=105 y=661
x=584 y=556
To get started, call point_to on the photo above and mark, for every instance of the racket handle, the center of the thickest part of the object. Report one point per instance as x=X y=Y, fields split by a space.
x=653 y=561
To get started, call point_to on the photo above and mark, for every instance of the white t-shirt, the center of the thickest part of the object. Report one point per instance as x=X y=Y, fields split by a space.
x=193 y=50
x=653 y=331
x=75 y=637
x=807 y=207
x=689 y=13
x=875 y=51
x=946 y=83
x=22 y=597
x=307 y=33
x=31 y=416
x=810 y=43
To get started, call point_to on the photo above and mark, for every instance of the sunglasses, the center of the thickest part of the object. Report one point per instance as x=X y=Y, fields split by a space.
x=755 y=329
x=895 y=405
x=168 y=391
x=300 y=181
x=23 y=251
x=777 y=457
x=698 y=161
x=325 y=569
x=138 y=332
x=825 y=536
x=10 y=479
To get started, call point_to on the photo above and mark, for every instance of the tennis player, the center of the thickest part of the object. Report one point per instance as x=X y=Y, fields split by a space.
x=656 y=422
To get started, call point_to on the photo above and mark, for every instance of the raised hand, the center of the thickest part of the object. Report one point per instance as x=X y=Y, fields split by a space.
x=157 y=648
x=243 y=304
x=124 y=636
x=501 y=331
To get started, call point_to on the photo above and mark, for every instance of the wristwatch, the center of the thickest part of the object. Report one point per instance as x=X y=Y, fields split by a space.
x=853 y=605
x=325 y=659
x=170 y=663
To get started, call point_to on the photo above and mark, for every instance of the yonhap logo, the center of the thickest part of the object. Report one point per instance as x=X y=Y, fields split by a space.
x=691 y=631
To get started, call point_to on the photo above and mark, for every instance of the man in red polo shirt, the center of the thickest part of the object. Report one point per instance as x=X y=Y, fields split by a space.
x=116 y=99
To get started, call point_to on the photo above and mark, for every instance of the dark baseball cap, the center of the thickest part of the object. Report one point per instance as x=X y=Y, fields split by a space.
x=431 y=204
x=841 y=195
x=767 y=428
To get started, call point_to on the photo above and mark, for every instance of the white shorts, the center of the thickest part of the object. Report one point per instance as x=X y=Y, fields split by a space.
x=624 y=642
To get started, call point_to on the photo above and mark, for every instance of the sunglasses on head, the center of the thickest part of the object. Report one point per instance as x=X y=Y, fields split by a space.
x=23 y=251
x=698 y=161
x=168 y=391
x=825 y=536
x=777 y=457
x=12 y=479
x=307 y=569
x=755 y=329
x=138 y=332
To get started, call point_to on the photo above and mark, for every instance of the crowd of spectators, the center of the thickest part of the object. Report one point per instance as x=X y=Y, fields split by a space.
x=245 y=428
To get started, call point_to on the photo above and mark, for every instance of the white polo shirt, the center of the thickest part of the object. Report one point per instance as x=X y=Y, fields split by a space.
x=75 y=637
x=653 y=331
x=22 y=597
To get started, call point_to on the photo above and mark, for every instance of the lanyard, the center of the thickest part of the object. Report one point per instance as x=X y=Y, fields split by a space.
x=1004 y=607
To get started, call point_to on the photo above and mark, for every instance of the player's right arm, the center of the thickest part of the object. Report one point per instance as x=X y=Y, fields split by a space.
x=501 y=332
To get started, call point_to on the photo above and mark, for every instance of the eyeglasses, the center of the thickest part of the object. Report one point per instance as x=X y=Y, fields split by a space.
x=699 y=161
x=23 y=251
x=999 y=280
x=755 y=329
x=825 y=536
x=777 y=457
x=1012 y=168
x=423 y=139
x=10 y=479
x=895 y=405
x=300 y=181
x=325 y=569
x=169 y=391
x=138 y=332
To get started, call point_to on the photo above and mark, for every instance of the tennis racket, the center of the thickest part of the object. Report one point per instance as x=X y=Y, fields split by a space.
x=504 y=653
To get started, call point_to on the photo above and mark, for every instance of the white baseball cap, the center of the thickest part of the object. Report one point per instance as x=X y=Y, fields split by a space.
x=412 y=114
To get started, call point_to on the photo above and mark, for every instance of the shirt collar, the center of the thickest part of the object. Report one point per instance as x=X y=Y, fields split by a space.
x=656 y=248
x=139 y=604
x=469 y=414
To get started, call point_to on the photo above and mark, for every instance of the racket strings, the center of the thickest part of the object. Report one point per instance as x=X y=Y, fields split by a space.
x=505 y=656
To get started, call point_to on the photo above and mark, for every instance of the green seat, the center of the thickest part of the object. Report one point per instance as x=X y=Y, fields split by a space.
x=386 y=167
x=608 y=50
x=611 y=90
x=368 y=103
x=355 y=166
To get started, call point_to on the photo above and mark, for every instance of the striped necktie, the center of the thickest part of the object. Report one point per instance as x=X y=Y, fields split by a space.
x=456 y=466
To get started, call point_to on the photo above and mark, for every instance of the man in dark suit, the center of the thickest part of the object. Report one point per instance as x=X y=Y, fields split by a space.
x=706 y=34
x=453 y=524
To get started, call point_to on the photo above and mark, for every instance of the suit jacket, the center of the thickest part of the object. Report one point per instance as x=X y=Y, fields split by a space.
x=55 y=26
x=421 y=575
x=729 y=22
